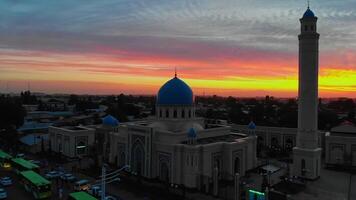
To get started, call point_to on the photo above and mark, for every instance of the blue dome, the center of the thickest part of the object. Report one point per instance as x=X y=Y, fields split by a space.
x=175 y=92
x=192 y=133
x=110 y=121
x=308 y=13
x=252 y=125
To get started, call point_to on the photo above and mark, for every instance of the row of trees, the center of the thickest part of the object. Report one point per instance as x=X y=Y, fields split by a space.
x=274 y=112
x=11 y=117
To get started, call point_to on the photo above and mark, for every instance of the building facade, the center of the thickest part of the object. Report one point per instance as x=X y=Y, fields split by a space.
x=179 y=148
x=340 y=145
x=276 y=136
x=71 y=141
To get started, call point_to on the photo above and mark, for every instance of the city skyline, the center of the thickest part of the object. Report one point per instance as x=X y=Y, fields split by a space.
x=226 y=48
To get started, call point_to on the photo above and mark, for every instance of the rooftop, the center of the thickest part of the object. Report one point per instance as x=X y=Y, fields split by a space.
x=35 y=178
x=25 y=163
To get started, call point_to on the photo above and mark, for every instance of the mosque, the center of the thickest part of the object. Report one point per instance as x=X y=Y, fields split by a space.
x=179 y=148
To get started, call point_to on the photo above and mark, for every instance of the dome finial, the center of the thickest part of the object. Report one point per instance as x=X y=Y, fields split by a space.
x=308 y=4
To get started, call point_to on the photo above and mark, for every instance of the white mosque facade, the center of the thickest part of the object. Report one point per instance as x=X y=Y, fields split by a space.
x=176 y=146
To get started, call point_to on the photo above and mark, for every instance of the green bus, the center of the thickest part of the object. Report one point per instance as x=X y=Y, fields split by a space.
x=80 y=196
x=20 y=164
x=36 y=184
x=5 y=160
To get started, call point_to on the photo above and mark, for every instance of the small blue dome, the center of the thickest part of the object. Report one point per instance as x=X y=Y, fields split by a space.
x=175 y=92
x=110 y=121
x=192 y=133
x=252 y=125
x=308 y=13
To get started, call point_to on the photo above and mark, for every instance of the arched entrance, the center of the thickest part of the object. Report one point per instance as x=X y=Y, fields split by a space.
x=138 y=158
x=164 y=172
x=122 y=159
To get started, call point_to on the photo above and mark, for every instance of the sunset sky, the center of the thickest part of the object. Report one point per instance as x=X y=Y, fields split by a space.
x=224 y=47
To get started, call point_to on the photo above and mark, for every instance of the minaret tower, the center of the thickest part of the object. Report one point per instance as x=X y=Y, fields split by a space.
x=306 y=154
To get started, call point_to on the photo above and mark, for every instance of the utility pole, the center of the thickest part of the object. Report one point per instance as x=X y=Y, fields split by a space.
x=103 y=173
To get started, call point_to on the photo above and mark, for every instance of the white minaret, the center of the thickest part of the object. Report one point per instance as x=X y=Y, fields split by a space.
x=306 y=154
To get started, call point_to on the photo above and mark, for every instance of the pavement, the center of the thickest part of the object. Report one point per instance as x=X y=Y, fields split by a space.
x=332 y=185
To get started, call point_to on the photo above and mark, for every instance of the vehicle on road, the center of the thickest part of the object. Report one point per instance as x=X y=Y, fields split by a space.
x=6 y=181
x=36 y=162
x=52 y=175
x=82 y=185
x=3 y=193
x=36 y=184
x=80 y=196
x=20 y=164
x=5 y=160
x=95 y=190
x=68 y=177
x=20 y=155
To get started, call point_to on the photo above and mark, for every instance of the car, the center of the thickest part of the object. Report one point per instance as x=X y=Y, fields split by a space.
x=111 y=198
x=95 y=190
x=52 y=175
x=68 y=177
x=20 y=155
x=6 y=181
x=82 y=185
x=3 y=193
x=36 y=162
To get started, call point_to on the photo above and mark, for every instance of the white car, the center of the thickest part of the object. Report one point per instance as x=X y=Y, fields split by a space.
x=52 y=175
x=6 y=181
x=3 y=193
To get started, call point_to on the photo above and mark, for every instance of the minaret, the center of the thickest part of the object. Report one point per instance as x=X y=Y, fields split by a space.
x=306 y=154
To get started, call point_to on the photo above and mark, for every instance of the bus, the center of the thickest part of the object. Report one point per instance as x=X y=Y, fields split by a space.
x=20 y=164
x=5 y=160
x=80 y=196
x=36 y=184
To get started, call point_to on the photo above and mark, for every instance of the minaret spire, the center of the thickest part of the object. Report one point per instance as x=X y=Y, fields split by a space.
x=175 y=72
x=308 y=4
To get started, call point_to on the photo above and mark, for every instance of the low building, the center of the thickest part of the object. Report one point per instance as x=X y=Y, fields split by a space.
x=71 y=141
x=340 y=145
x=35 y=143
x=275 y=136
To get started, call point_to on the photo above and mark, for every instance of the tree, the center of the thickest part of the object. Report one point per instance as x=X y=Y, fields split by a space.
x=12 y=113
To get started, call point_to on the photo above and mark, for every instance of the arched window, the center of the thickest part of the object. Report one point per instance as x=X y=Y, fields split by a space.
x=190 y=114
x=305 y=28
x=160 y=112
x=274 y=141
x=183 y=113
x=138 y=158
x=237 y=165
x=167 y=113
x=175 y=113
x=312 y=27
x=302 y=167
